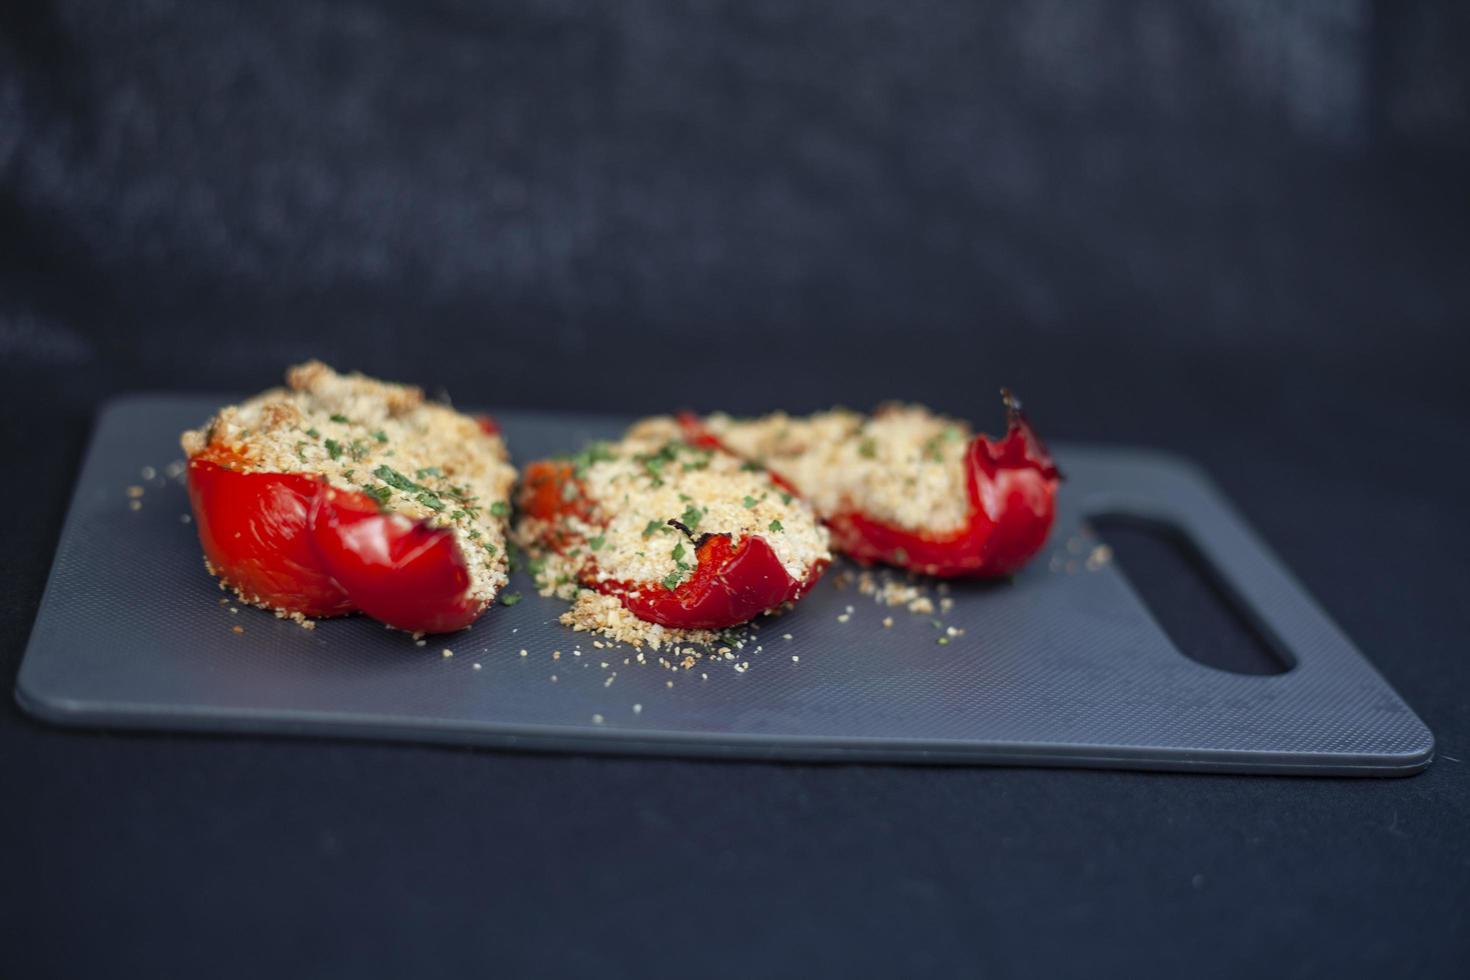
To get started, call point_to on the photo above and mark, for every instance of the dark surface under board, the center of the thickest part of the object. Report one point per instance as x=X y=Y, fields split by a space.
x=1061 y=666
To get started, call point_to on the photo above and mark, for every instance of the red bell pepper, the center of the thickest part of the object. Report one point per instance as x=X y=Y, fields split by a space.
x=1011 y=486
x=291 y=542
x=733 y=580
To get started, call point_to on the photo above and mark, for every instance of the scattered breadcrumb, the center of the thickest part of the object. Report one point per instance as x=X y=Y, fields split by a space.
x=605 y=614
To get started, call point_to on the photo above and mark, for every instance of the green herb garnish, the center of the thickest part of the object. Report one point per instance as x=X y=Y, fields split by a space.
x=776 y=526
x=653 y=463
x=500 y=509
x=596 y=543
x=334 y=448
x=380 y=435
x=749 y=502
x=339 y=417
x=509 y=598
x=395 y=479
x=651 y=527
x=596 y=452
x=380 y=494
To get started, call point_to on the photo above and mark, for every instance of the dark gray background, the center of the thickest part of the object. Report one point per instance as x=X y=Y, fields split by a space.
x=1233 y=230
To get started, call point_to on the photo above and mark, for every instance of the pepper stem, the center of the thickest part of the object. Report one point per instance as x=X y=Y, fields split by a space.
x=1012 y=404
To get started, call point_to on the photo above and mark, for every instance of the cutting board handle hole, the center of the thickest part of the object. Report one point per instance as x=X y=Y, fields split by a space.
x=1202 y=616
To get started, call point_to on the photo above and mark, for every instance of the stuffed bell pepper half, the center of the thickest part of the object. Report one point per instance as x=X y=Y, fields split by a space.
x=685 y=536
x=341 y=494
x=905 y=486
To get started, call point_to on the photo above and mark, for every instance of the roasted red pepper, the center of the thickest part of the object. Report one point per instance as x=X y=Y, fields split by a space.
x=1011 y=486
x=290 y=542
x=340 y=493
x=732 y=578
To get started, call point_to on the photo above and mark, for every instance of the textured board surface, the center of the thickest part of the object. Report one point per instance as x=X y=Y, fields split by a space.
x=1055 y=667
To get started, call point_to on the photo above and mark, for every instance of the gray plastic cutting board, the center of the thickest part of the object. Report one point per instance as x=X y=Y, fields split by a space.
x=1052 y=668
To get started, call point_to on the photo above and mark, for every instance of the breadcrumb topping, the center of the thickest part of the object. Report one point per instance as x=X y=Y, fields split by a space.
x=903 y=465
x=416 y=458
